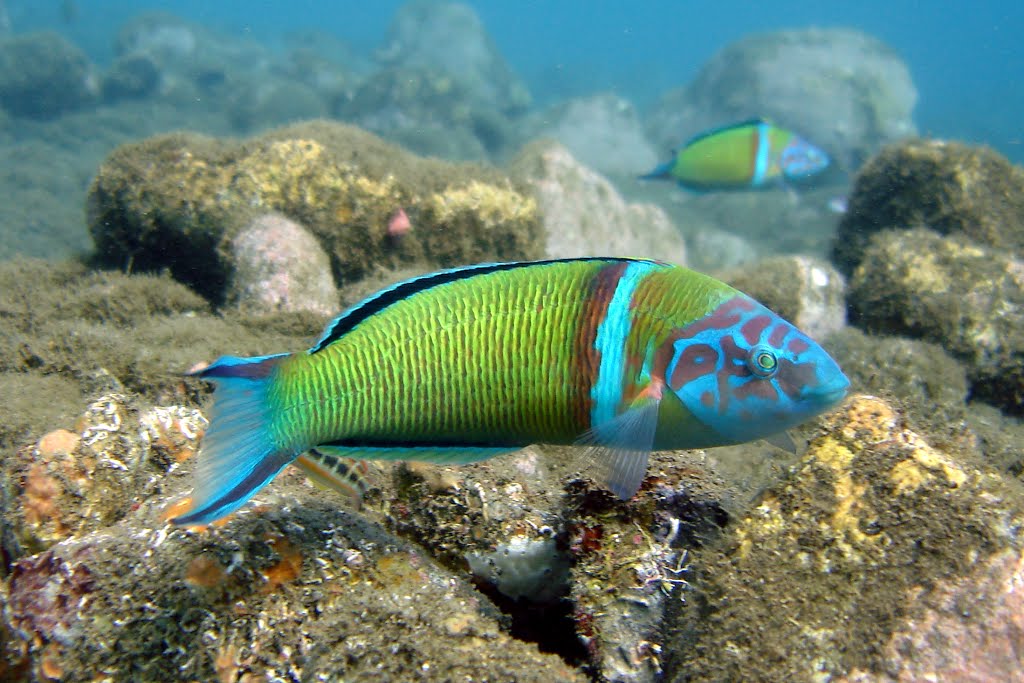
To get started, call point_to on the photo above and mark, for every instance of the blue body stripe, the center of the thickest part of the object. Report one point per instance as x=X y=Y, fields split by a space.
x=610 y=343
x=761 y=159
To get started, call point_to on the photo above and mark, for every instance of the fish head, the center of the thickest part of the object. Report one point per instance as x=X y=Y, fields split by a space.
x=745 y=373
x=801 y=159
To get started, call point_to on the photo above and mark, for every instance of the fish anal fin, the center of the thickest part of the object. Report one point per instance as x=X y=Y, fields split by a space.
x=619 y=449
x=329 y=469
x=782 y=441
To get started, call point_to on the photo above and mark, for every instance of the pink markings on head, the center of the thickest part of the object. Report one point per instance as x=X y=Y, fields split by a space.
x=708 y=399
x=725 y=316
x=779 y=332
x=399 y=224
x=695 y=361
x=794 y=377
x=753 y=328
x=756 y=387
x=797 y=345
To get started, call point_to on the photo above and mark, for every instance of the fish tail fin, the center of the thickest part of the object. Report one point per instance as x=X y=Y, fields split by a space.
x=662 y=171
x=238 y=455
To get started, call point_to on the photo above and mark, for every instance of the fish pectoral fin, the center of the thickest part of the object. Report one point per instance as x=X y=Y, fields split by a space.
x=619 y=449
x=328 y=468
x=783 y=441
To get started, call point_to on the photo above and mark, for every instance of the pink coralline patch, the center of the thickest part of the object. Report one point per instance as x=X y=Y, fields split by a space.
x=280 y=266
x=399 y=224
x=972 y=630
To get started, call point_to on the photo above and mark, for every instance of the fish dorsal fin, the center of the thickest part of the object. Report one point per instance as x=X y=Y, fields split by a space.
x=721 y=129
x=401 y=290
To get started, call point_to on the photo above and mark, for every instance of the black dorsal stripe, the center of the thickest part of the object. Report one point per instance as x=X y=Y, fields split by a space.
x=367 y=308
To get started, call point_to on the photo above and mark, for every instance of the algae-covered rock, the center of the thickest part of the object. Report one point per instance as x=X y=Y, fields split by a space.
x=872 y=535
x=806 y=291
x=42 y=75
x=177 y=201
x=950 y=291
x=840 y=88
x=952 y=188
x=584 y=215
x=303 y=593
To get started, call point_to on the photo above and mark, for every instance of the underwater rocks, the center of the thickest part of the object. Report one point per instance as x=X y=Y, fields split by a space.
x=839 y=88
x=449 y=38
x=808 y=292
x=279 y=266
x=602 y=131
x=874 y=557
x=177 y=202
x=42 y=75
x=71 y=483
x=953 y=292
x=584 y=215
x=306 y=592
x=948 y=187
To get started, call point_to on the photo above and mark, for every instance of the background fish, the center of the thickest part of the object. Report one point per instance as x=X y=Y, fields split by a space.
x=745 y=155
x=620 y=355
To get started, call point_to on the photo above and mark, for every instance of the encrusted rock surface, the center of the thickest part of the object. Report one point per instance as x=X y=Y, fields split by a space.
x=853 y=566
x=949 y=187
x=584 y=215
x=177 y=201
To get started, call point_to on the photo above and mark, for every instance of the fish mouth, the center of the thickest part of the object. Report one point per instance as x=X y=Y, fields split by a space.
x=829 y=394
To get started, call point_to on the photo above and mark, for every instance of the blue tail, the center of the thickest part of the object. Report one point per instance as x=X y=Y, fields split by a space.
x=662 y=171
x=238 y=455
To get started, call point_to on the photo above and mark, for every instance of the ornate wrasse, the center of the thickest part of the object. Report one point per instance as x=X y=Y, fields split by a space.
x=745 y=155
x=619 y=355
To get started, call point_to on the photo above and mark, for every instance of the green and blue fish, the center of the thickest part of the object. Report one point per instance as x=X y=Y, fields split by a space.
x=748 y=155
x=621 y=356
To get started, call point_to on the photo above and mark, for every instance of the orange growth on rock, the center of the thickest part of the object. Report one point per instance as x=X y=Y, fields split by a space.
x=41 y=490
x=205 y=571
x=287 y=568
x=58 y=442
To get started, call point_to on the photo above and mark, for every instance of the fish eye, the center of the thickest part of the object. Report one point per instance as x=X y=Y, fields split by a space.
x=762 y=361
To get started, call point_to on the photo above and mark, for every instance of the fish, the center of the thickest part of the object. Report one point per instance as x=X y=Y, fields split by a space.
x=747 y=155
x=617 y=356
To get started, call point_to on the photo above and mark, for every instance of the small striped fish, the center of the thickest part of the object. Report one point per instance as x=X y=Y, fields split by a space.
x=747 y=155
x=621 y=356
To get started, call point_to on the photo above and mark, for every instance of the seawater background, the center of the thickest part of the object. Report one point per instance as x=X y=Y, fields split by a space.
x=966 y=59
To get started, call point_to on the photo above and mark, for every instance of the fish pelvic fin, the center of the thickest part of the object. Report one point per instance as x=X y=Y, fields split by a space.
x=620 y=448
x=331 y=468
x=238 y=455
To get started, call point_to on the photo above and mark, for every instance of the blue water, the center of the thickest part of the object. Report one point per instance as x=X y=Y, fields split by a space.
x=965 y=58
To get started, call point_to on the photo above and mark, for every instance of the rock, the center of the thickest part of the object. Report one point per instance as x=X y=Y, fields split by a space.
x=42 y=76
x=584 y=215
x=73 y=483
x=969 y=630
x=602 y=131
x=160 y=35
x=426 y=111
x=808 y=292
x=448 y=38
x=131 y=76
x=854 y=563
x=949 y=187
x=306 y=591
x=280 y=266
x=270 y=102
x=841 y=89
x=950 y=291
x=177 y=201
x=714 y=249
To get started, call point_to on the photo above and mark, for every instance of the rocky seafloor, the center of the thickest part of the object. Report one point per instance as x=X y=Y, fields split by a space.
x=890 y=548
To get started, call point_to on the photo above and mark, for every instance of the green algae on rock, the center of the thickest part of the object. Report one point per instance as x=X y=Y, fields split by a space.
x=835 y=562
x=953 y=292
x=949 y=187
x=176 y=201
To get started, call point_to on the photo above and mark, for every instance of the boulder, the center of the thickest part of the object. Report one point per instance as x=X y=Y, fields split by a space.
x=584 y=215
x=841 y=89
